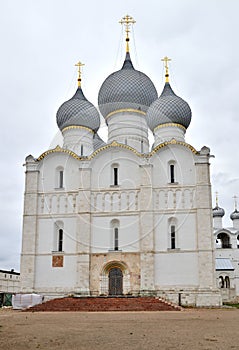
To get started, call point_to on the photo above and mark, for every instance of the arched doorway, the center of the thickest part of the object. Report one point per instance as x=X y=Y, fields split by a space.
x=115 y=281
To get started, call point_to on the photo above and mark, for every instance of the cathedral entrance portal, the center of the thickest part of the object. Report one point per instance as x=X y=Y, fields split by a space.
x=115 y=281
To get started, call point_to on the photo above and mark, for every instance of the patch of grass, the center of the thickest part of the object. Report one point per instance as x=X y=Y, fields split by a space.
x=236 y=305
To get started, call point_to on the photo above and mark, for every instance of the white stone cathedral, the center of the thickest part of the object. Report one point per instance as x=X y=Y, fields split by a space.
x=119 y=218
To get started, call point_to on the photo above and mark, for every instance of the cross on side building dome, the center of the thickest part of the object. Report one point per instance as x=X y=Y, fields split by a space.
x=168 y=108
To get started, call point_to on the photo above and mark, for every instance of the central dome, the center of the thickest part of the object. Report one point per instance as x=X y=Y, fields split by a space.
x=127 y=88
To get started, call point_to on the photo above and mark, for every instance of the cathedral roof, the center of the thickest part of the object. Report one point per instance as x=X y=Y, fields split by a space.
x=168 y=108
x=126 y=88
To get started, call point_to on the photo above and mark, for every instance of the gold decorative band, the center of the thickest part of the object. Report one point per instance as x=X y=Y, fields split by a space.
x=125 y=110
x=170 y=124
x=120 y=145
x=77 y=127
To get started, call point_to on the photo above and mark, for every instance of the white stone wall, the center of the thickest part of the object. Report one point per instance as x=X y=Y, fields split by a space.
x=9 y=282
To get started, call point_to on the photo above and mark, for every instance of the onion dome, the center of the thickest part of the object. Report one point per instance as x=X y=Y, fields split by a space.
x=98 y=142
x=218 y=212
x=234 y=215
x=127 y=88
x=78 y=111
x=168 y=108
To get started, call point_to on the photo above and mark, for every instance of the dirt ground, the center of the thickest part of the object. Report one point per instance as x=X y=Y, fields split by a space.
x=187 y=329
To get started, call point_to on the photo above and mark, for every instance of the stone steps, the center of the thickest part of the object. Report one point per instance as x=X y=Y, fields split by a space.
x=106 y=304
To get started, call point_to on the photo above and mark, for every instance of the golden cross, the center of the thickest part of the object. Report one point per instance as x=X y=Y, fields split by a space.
x=216 y=198
x=127 y=21
x=79 y=65
x=235 y=199
x=166 y=60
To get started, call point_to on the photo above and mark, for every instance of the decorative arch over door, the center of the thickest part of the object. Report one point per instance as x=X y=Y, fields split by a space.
x=115 y=281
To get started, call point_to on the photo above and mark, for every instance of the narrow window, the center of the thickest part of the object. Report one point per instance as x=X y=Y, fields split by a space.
x=173 y=237
x=142 y=146
x=221 y=282
x=172 y=173
x=116 y=238
x=81 y=150
x=61 y=179
x=227 y=282
x=60 y=240
x=115 y=176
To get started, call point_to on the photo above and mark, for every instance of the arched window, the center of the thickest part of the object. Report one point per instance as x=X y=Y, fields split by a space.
x=115 y=174
x=59 y=178
x=238 y=241
x=115 y=234
x=60 y=240
x=116 y=238
x=227 y=282
x=173 y=237
x=81 y=150
x=142 y=146
x=172 y=222
x=172 y=171
x=58 y=236
x=224 y=240
x=221 y=282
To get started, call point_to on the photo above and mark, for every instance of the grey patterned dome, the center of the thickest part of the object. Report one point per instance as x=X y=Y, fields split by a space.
x=218 y=212
x=126 y=88
x=97 y=142
x=234 y=215
x=168 y=108
x=78 y=111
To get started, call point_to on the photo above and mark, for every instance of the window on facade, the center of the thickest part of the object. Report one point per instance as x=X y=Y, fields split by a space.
x=223 y=241
x=61 y=173
x=115 y=174
x=116 y=238
x=227 y=282
x=81 y=150
x=173 y=237
x=59 y=177
x=238 y=241
x=142 y=146
x=115 y=224
x=221 y=282
x=172 y=173
x=60 y=240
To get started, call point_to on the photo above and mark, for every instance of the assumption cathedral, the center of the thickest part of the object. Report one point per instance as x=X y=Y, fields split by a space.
x=121 y=217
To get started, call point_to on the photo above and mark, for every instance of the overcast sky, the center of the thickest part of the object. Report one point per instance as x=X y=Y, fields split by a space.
x=42 y=40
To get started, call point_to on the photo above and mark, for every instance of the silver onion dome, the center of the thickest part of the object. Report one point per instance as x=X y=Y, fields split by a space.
x=234 y=215
x=127 y=88
x=168 y=108
x=218 y=212
x=78 y=111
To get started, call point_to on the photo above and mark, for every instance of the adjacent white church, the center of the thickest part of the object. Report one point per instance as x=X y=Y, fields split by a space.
x=119 y=218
